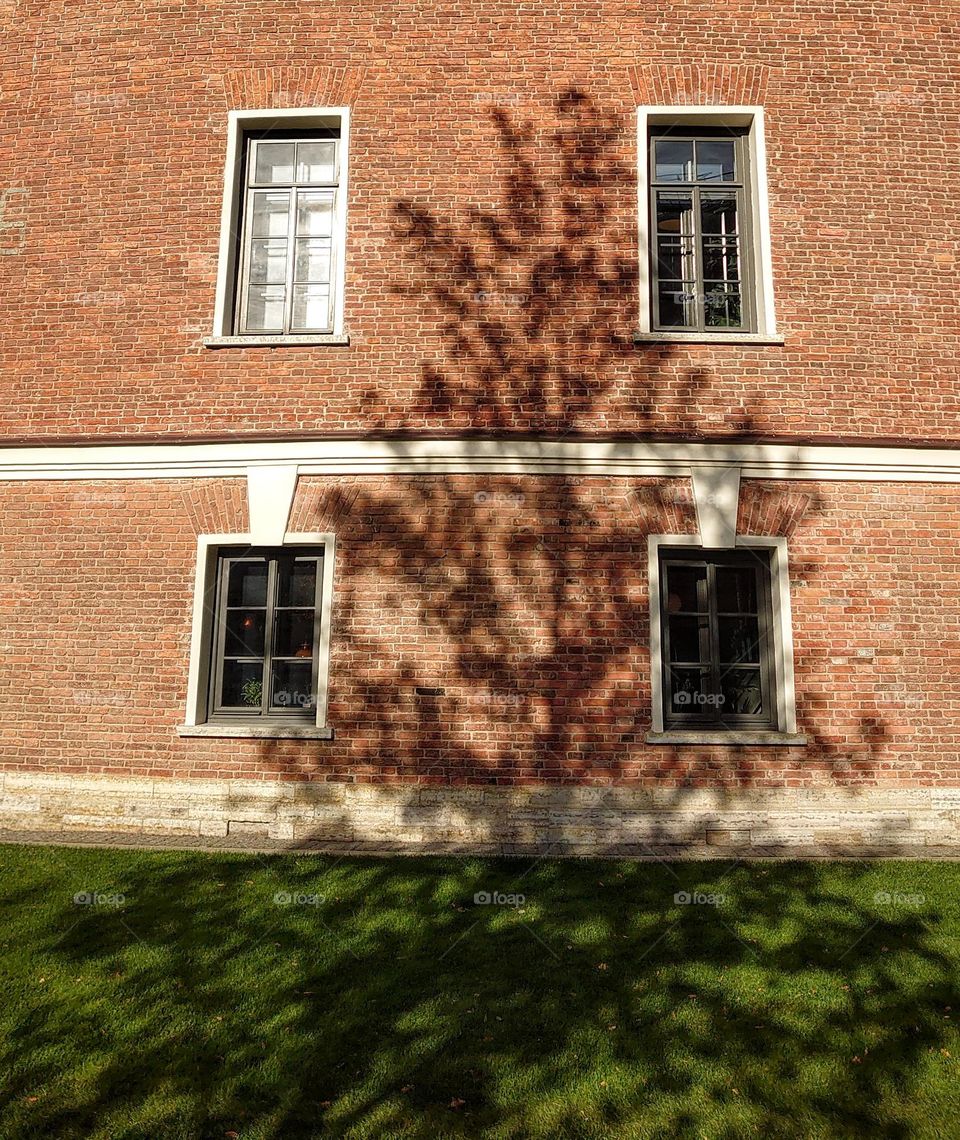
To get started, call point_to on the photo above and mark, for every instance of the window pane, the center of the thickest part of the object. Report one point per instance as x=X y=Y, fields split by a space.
x=248 y=584
x=674 y=214
x=315 y=214
x=691 y=693
x=265 y=308
x=316 y=161
x=313 y=259
x=686 y=588
x=677 y=303
x=741 y=692
x=271 y=212
x=311 y=307
x=268 y=261
x=294 y=634
x=244 y=634
x=274 y=162
x=736 y=590
x=739 y=639
x=718 y=213
x=673 y=161
x=688 y=640
x=715 y=161
x=298 y=583
x=293 y=685
x=675 y=259
x=721 y=260
x=242 y=684
x=722 y=307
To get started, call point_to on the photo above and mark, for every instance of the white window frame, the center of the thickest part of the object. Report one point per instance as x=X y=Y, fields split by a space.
x=196 y=723
x=751 y=119
x=782 y=671
x=239 y=124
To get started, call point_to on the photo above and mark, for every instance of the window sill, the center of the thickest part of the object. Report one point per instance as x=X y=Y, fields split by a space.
x=275 y=341
x=733 y=737
x=706 y=338
x=258 y=731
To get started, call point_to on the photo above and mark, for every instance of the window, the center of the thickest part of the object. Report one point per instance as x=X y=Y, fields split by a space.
x=716 y=630
x=281 y=268
x=699 y=213
x=288 y=253
x=705 y=248
x=260 y=648
x=266 y=634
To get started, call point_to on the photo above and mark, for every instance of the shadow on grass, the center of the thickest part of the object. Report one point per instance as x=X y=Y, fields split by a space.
x=283 y=996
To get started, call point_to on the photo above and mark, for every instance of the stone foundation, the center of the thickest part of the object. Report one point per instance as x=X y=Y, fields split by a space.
x=580 y=821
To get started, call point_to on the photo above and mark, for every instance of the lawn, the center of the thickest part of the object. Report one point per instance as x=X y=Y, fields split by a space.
x=168 y=994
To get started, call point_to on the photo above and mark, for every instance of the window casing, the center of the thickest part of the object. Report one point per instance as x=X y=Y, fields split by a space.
x=717 y=643
x=700 y=229
x=288 y=250
x=266 y=637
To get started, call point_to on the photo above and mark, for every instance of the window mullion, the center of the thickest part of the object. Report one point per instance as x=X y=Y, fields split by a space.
x=714 y=625
x=291 y=257
x=699 y=285
x=268 y=634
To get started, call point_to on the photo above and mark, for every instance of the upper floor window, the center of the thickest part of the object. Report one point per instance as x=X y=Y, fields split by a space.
x=288 y=258
x=283 y=229
x=700 y=223
x=705 y=247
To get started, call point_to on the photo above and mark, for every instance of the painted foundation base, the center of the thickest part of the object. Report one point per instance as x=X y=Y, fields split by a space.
x=287 y=816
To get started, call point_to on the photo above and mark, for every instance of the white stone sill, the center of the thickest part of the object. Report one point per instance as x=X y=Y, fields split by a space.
x=276 y=341
x=706 y=338
x=767 y=739
x=258 y=731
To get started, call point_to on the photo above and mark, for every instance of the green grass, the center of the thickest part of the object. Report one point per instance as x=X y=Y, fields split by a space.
x=802 y=1005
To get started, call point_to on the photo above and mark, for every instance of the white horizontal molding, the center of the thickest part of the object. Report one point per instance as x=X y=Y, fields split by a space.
x=417 y=456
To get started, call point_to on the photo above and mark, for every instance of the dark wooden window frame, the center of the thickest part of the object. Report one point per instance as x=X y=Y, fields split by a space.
x=248 y=187
x=741 y=185
x=712 y=715
x=266 y=713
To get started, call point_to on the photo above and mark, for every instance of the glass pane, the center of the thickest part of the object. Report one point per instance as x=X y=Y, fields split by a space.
x=313 y=259
x=294 y=634
x=690 y=692
x=688 y=641
x=248 y=584
x=270 y=214
x=686 y=586
x=268 y=261
x=242 y=684
x=315 y=214
x=311 y=306
x=675 y=259
x=674 y=214
x=293 y=685
x=677 y=303
x=265 y=308
x=721 y=260
x=736 y=589
x=316 y=161
x=274 y=162
x=673 y=160
x=298 y=583
x=741 y=692
x=722 y=307
x=715 y=161
x=739 y=639
x=718 y=213
x=244 y=633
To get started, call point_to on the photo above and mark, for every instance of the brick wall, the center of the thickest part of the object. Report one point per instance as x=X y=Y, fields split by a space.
x=523 y=599
x=491 y=262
